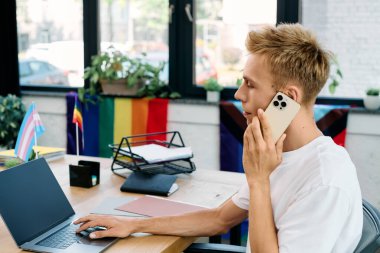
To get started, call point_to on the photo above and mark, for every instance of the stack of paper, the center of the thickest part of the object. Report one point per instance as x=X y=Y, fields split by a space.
x=154 y=153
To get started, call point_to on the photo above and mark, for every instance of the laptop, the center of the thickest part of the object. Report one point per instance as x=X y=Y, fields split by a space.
x=38 y=214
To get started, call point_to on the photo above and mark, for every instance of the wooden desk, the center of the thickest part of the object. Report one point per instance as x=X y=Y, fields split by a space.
x=207 y=188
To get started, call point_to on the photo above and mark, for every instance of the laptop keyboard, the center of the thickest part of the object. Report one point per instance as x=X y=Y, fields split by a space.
x=61 y=239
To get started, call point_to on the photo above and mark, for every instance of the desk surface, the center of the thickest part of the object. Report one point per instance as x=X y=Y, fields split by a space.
x=206 y=188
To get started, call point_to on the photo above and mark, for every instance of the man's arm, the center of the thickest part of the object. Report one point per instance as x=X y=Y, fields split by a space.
x=262 y=230
x=260 y=157
x=200 y=223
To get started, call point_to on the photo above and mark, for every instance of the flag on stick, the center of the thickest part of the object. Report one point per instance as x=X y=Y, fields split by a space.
x=78 y=121
x=31 y=128
x=77 y=114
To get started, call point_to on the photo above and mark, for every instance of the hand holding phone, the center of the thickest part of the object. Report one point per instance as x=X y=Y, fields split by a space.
x=280 y=113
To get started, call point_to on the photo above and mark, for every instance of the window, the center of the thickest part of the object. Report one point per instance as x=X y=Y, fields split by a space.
x=50 y=40
x=135 y=27
x=220 y=31
x=209 y=36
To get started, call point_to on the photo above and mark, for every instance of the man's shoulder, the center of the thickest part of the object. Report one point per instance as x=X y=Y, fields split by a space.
x=329 y=165
x=335 y=163
x=336 y=170
x=330 y=160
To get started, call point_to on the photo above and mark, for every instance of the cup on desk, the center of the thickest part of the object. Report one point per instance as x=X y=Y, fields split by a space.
x=85 y=174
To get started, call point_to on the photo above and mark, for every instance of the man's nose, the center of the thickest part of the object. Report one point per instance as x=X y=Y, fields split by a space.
x=238 y=94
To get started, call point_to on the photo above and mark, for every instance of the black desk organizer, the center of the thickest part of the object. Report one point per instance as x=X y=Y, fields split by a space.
x=128 y=160
x=85 y=174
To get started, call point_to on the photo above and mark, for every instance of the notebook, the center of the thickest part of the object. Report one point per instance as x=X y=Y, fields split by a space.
x=154 y=184
x=108 y=205
x=155 y=207
x=37 y=212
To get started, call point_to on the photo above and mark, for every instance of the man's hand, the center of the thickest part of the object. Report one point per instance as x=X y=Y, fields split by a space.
x=115 y=226
x=260 y=154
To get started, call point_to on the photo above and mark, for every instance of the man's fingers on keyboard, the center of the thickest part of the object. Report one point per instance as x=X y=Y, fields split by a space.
x=87 y=225
x=101 y=234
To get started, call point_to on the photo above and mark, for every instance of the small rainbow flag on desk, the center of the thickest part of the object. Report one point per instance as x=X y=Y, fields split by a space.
x=78 y=121
x=77 y=115
x=31 y=129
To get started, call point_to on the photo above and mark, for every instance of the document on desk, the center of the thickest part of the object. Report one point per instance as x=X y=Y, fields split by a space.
x=154 y=153
x=156 y=207
x=108 y=205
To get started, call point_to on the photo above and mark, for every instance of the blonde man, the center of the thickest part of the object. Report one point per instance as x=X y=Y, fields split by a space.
x=302 y=193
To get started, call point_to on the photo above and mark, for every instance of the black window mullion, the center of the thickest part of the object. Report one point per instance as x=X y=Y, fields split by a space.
x=185 y=51
x=9 y=76
x=91 y=38
x=172 y=46
x=287 y=11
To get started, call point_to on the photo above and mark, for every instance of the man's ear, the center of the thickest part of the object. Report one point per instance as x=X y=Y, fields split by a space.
x=294 y=92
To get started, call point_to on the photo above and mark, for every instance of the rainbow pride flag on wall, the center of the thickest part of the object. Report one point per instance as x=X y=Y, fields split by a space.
x=113 y=118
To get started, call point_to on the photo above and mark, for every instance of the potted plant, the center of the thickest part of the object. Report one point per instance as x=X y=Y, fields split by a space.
x=12 y=112
x=372 y=100
x=113 y=73
x=213 y=89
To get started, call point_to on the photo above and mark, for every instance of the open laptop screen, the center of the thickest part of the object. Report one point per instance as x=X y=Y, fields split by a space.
x=31 y=200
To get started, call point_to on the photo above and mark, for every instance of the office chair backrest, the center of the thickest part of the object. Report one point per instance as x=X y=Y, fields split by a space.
x=370 y=240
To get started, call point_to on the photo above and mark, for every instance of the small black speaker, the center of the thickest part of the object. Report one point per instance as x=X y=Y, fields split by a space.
x=85 y=174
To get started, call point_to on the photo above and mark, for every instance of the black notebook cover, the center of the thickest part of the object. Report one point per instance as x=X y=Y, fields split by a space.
x=155 y=184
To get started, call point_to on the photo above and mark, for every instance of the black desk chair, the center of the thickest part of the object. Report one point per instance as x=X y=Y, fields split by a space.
x=369 y=242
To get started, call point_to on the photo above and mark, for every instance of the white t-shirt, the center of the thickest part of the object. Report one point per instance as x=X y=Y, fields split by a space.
x=316 y=200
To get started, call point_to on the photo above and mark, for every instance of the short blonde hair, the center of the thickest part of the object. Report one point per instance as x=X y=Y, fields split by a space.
x=293 y=54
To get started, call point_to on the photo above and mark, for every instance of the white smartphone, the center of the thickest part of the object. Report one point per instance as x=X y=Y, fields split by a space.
x=280 y=113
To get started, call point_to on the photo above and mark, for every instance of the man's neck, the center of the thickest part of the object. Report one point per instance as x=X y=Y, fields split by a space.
x=301 y=131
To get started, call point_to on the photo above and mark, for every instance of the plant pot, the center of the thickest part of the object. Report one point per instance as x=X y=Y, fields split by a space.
x=119 y=87
x=213 y=96
x=371 y=102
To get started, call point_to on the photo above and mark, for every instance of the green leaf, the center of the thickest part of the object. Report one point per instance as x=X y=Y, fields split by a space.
x=239 y=81
x=174 y=95
x=212 y=85
x=373 y=92
x=164 y=94
x=332 y=88
x=339 y=73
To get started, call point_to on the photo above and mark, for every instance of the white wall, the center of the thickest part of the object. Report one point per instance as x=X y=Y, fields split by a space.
x=363 y=144
x=199 y=128
x=350 y=29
